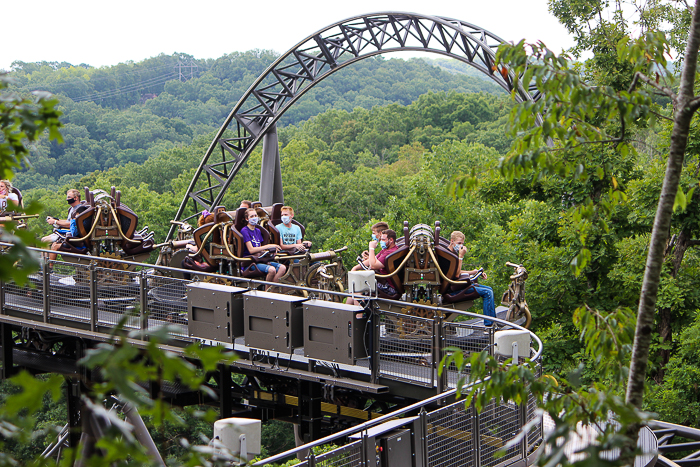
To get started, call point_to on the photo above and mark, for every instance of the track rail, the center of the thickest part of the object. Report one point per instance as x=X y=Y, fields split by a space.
x=315 y=58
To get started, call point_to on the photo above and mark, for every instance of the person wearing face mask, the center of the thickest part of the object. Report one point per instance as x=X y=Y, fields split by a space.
x=62 y=225
x=387 y=242
x=290 y=234
x=485 y=292
x=8 y=199
x=377 y=230
x=253 y=243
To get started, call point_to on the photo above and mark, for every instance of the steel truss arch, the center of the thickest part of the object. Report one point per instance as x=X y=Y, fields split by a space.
x=318 y=56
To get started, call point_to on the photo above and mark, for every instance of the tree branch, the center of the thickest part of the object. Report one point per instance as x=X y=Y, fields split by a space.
x=638 y=76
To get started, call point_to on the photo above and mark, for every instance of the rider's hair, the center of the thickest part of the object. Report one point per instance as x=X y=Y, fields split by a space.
x=380 y=226
x=247 y=211
x=287 y=208
x=456 y=235
x=389 y=234
x=74 y=193
x=8 y=185
x=205 y=219
x=246 y=203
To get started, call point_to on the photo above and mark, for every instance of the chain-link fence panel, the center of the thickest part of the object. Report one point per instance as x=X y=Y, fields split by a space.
x=498 y=424
x=450 y=437
x=405 y=348
x=70 y=291
x=167 y=303
x=118 y=297
x=29 y=297
x=534 y=433
x=470 y=339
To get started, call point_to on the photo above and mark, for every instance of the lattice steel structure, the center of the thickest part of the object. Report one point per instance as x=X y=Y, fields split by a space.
x=310 y=61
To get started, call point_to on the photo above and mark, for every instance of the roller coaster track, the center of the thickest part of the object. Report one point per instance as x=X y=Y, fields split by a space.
x=317 y=57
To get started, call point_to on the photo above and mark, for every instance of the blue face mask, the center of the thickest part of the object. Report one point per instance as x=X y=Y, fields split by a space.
x=286 y=219
x=382 y=244
x=374 y=238
x=253 y=221
x=457 y=248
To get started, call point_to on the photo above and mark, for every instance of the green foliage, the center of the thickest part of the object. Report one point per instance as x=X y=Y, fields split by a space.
x=570 y=400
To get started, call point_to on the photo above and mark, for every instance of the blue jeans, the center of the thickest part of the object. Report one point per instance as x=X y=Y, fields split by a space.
x=486 y=293
x=264 y=267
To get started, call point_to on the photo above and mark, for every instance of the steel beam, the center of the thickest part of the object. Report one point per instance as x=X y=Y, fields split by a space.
x=313 y=59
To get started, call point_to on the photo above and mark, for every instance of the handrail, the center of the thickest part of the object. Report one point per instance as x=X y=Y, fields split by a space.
x=396 y=271
x=119 y=227
x=92 y=229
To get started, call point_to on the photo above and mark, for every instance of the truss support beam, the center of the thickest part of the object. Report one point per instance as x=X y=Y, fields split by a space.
x=271 y=171
x=313 y=59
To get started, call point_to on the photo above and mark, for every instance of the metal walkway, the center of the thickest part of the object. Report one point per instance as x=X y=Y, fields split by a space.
x=396 y=368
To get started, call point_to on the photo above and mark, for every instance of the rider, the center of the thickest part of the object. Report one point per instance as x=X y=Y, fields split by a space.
x=290 y=234
x=377 y=230
x=376 y=262
x=76 y=207
x=7 y=197
x=252 y=238
x=485 y=292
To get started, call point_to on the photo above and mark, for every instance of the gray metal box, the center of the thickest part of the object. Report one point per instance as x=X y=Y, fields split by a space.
x=396 y=449
x=215 y=311
x=273 y=321
x=334 y=332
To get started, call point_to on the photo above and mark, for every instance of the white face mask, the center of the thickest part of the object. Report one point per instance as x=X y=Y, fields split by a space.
x=286 y=219
x=457 y=247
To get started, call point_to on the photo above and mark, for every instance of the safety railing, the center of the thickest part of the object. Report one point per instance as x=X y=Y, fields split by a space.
x=405 y=347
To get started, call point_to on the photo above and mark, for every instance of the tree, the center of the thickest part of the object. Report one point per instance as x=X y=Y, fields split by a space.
x=598 y=112
x=22 y=121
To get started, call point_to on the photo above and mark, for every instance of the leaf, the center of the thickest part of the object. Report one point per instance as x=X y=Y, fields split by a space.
x=681 y=201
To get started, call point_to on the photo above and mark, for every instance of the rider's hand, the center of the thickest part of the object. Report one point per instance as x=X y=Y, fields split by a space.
x=462 y=252
x=483 y=274
x=373 y=245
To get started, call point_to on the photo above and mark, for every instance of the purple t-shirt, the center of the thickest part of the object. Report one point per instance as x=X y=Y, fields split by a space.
x=253 y=236
x=381 y=257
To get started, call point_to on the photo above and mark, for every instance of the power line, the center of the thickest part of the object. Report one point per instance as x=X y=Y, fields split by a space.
x=131 y=87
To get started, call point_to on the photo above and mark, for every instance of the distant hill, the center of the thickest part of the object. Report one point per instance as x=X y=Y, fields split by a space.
x=132 y=111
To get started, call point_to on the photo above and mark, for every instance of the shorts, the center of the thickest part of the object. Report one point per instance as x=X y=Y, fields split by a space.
x=386 y=288
x=264 y=267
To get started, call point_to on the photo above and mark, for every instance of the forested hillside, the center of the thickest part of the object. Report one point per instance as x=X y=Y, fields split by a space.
x=132 y=111
x=383 y=140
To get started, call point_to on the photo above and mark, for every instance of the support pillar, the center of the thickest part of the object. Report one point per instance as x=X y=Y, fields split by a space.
x=8 y=345
x=310 y=414
x=225 y=382
x=271 y=171
x=74 y=407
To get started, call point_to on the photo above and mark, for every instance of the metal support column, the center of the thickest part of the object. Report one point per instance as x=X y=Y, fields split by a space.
x=374 y=344
x=93 y=297
x=438 y=346
x=46 y=285
x=2 y=298
x=74 y=408
x=477 y=436
x=143 y=302
x=271 y=171
x=225 y=382
x=310 y=414
x=8 y=345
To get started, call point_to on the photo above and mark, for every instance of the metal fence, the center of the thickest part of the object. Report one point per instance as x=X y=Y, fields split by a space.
x=408 y=348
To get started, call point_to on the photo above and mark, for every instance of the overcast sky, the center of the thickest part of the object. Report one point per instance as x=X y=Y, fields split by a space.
x=106 y=33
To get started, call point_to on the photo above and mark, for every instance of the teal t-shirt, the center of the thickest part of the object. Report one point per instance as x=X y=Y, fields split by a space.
x=290 y=235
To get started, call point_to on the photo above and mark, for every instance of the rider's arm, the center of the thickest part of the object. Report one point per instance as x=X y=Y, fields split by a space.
x=59 y=223
x=257 y=249
x=372 y=261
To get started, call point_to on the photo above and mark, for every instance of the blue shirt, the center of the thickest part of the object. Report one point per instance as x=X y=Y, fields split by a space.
x=290 y=235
